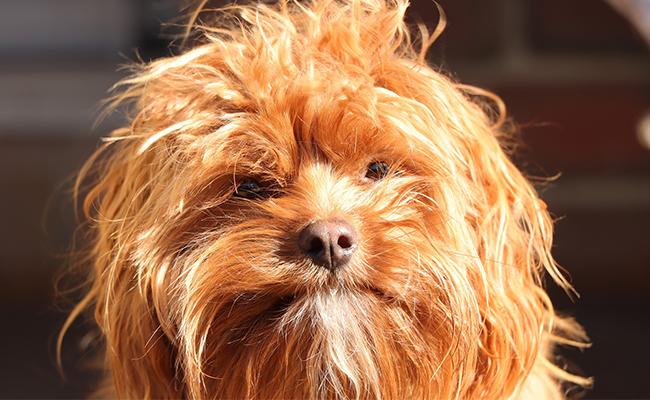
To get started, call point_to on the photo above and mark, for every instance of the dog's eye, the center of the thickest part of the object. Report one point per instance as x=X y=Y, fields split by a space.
x=250 y=189
x=377 y=170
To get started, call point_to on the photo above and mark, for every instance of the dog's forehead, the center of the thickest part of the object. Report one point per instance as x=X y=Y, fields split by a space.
x=343 y=140
x=334 y=126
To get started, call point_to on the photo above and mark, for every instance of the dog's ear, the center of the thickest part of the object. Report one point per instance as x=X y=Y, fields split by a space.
x=140 y=356
x=513 y=239
x=514 y=236
x=127 y=285
x=133 y=190
x=503 y=248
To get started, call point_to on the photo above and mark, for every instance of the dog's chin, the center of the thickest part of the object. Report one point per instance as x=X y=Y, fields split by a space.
x=303 y=335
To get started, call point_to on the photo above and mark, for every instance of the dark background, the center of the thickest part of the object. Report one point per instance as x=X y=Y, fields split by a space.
x=574 y=74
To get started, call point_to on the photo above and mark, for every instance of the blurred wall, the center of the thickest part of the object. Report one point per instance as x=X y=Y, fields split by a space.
x=574 y=75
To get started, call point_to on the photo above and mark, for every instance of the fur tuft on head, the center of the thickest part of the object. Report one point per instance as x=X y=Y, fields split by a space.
x=201 y=292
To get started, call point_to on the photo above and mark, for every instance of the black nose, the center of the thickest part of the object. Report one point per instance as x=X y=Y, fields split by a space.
x=328 y=243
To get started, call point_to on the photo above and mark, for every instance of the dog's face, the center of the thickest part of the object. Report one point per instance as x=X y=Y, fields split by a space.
x=307 y=210
x=318 y=243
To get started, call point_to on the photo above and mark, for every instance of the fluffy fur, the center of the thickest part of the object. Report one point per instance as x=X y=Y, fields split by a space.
x=201 y=294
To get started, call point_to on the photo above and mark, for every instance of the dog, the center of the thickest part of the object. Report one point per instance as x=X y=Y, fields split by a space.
x=302 y=207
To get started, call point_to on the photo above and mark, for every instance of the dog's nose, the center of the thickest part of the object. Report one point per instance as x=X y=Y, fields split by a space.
x=329 y=244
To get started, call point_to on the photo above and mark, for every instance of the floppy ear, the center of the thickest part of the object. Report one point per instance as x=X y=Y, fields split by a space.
x=514 y=233
x=127 y=292
x=138 y=353
x=507 y=232
x=135 y=185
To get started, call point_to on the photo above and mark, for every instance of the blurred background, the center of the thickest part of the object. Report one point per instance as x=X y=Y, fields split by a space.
x=574 y=74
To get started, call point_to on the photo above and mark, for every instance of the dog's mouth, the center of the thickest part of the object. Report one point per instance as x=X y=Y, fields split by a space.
x=282 y=304
x=294 y=307
x=380 y=294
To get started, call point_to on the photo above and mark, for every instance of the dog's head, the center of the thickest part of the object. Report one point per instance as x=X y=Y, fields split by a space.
x=301 y=207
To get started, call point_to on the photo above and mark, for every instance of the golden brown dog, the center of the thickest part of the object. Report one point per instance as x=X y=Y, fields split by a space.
x=302 y=208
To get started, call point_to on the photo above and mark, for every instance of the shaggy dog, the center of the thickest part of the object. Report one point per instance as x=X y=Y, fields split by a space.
x=302 y=208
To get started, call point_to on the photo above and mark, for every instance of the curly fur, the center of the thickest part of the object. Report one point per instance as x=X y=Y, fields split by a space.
x=201 y=294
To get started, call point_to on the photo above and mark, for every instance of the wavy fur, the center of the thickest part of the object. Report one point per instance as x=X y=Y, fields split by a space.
x=200 y=294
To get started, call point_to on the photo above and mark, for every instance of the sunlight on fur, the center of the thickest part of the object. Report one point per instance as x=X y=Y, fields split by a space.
x=281 y=116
